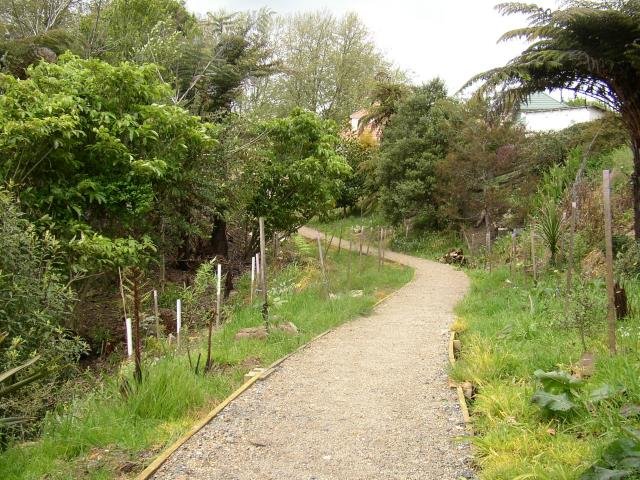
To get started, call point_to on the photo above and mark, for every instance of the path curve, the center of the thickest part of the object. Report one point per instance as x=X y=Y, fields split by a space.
x=368 y=401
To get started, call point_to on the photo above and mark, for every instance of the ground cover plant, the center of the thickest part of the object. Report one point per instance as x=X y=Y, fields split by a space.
x=113 y=428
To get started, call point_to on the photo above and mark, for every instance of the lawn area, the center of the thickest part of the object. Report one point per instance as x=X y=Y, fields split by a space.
x=115 y=428
x=510 y=329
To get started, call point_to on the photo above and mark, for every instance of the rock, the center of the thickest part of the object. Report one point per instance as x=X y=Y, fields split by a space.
x=253 y=332
x=258 y=442
x=288 y=328
x=454 y=257
x=261 y=332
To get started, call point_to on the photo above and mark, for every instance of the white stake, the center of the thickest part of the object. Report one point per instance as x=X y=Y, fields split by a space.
x=178 y=319
x=253 y=278
x=127 y=324
x=218 y=298
x=156 y=312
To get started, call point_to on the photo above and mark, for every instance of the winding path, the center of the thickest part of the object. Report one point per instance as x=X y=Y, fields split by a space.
x=368 y=401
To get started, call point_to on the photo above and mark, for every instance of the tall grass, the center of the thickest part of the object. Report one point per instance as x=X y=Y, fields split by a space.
x=105 y=431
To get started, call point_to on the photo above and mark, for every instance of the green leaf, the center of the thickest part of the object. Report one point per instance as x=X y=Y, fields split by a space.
x=604 y=392
x=554 y=402
x=599 y=473
x=557 y=381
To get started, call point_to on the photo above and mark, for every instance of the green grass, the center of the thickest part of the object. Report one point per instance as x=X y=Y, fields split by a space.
x=94 y=436
x=431 y=245
x=512 y=328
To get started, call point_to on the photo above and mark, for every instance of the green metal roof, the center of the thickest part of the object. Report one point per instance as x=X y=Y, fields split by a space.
x=541 y=101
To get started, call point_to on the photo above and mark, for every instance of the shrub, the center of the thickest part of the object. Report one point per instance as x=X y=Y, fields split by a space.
x=34 y=303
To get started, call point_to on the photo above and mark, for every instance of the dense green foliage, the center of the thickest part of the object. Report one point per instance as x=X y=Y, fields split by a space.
x=300 y=174
x=94 y=154
x=34 y=298
x=412 y=145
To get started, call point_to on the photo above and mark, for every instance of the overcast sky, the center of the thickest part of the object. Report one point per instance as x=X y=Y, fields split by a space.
x=453 y=39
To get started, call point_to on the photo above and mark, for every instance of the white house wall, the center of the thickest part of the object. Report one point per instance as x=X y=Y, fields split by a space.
x=558 y=119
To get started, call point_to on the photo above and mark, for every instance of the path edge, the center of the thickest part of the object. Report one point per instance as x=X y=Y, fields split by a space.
x=460 y=393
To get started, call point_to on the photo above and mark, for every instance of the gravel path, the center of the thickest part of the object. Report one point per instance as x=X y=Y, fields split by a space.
x=368 y=401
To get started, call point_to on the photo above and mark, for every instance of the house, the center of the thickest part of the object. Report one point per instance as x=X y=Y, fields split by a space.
x=541 y=112
x=370 y=130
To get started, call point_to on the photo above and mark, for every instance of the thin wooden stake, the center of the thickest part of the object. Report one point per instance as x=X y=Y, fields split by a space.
x=380 y=250
x=360 y=251
x=488 y=241
x=572 y=233
x=340 y=240
x=124 y=299
x=513 y=253
x=611 y=310
x=328 y=244
x=322 y=267
x=263 y=274
x=384 y=244
x=258 y=274
x=368 y=238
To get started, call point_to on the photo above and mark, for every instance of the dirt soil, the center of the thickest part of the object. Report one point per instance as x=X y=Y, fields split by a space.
x=368 y=401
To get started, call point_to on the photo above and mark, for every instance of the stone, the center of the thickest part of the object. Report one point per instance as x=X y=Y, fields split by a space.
x=252 y=332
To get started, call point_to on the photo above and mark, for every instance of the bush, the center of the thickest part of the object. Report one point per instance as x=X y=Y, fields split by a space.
x=34 y=303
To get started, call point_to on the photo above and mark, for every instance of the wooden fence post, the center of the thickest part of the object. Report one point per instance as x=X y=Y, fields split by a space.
x=611 y=310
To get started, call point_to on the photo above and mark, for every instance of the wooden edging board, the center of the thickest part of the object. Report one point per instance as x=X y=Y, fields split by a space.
x=154 y=466
x=461 y=399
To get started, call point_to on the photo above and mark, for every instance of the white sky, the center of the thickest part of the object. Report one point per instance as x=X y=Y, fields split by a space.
x=453 y=39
